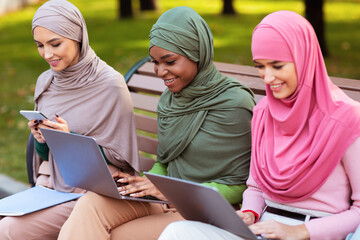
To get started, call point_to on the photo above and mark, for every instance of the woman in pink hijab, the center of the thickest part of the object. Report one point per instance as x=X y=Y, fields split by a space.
x=304 y=181
x=78 y=93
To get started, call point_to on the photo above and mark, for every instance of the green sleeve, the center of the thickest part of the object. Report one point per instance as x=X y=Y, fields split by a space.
x=103 y=153
x=159 y=168
x=232 y=193
x=42 y=150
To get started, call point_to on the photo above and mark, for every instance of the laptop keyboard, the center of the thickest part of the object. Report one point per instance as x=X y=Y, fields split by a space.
x=263 y=238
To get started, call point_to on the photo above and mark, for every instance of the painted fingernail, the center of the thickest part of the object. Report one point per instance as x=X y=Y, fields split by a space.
x=36 y=129
x=56 y=115
x=36 y=121
x=40 y=121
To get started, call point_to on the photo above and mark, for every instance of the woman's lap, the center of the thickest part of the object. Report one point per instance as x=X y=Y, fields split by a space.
x=43 y=224
x=95 y=216
x=149 y=227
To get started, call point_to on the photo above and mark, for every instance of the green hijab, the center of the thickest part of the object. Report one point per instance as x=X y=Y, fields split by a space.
x=182 y=115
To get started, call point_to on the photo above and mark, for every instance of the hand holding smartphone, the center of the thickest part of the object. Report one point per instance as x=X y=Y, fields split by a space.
x=33 y=115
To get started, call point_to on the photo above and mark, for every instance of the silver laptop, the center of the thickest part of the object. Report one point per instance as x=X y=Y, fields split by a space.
x=201 y=203
x=82 y=164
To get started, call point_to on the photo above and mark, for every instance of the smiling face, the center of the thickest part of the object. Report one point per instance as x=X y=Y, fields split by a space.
x=176 y=70
x=58 y=51
x=280 y=76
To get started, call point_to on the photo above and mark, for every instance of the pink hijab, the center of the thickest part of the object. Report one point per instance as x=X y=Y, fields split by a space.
x=297 y=142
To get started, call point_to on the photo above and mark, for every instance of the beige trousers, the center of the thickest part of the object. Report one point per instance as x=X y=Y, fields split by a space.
x=98 y=217
x=40 y=225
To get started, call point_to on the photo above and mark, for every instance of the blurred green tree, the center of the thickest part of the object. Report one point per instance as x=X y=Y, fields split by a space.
x=228 y=7
x=126 y=9
x=314 y=12
x=148 y=5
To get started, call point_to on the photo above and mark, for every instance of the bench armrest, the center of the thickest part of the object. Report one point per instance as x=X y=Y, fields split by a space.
x=29 y=159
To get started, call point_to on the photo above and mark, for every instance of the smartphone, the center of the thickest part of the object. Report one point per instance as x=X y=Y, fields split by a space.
x=32 y=115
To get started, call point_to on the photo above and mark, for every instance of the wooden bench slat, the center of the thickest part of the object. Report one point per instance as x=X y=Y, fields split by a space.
x=256 y=84
x=258 y=97
x=144 y=102
x=145 y=163
x=346 y=83
x=148 y=84
x=236 y=69
x=146 y=123
x=147 y=144
x=147 y=69
x=353 y=94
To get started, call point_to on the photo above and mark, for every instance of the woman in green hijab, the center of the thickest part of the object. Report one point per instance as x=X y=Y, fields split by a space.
x=204 y=135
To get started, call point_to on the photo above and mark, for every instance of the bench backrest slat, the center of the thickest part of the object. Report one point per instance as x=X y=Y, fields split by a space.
x=144 y=102
x=145 y=163
x=145 y=83
x=353 y=94
x=146 y=123
x=237 y=69
x=346 y=83
x=147 y=144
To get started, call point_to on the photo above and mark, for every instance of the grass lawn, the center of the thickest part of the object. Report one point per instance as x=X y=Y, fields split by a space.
x=123 y=42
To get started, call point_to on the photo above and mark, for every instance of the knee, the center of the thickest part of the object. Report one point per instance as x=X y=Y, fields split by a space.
x=9 y=229
x=88 y=201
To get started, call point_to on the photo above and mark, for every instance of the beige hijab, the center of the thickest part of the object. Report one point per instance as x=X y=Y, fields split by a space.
x=91 y=96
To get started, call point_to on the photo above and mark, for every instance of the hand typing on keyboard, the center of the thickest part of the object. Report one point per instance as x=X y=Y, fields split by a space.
x=136 y=186
x=275 y=230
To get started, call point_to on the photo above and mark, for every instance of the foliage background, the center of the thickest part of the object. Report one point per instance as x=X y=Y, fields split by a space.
x=121 y=43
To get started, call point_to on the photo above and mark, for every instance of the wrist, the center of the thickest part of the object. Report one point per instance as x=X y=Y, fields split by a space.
x=303 y=232
x=254 y=216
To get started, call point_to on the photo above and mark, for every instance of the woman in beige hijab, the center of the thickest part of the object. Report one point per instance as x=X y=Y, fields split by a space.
x=80 y=93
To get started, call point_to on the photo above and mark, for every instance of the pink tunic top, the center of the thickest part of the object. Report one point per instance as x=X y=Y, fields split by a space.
x=340 y=195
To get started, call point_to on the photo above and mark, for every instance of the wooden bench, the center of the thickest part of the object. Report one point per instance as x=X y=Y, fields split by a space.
x=145 y=88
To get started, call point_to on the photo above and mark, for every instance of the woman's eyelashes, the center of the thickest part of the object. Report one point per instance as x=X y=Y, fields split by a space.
x=53 y=45
x=277 y=67
x=172 y=62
